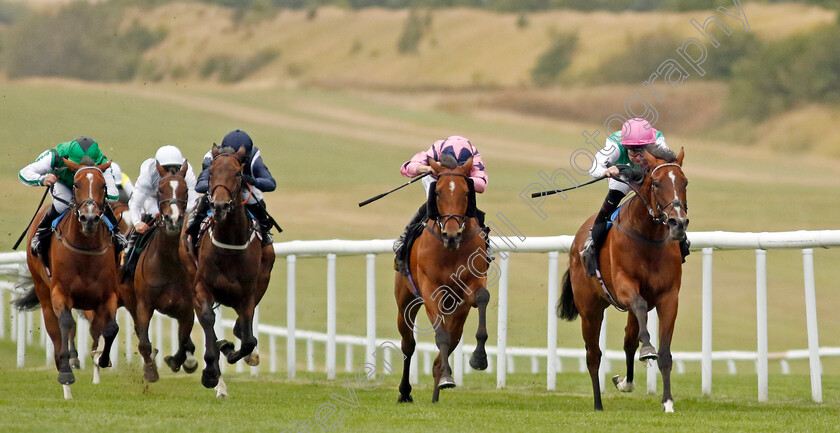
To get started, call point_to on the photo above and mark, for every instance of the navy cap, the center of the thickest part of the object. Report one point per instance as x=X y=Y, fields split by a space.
x=236 y=139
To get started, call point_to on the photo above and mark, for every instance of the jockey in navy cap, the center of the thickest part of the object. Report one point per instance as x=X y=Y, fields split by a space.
x=254 y=173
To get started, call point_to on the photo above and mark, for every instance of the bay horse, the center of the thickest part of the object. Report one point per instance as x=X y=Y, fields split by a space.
x=159 y=281
x=233 y=268
x=84 y=271
x=641 y=264
x=448 y=262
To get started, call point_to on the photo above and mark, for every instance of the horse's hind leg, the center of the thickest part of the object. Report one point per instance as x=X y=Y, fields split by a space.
x=409 y=305
x=74 y=354
x=247 y=340
x=631 y=343
x=478 y=360
x=185 y=325
x=591 y=326
x=667 y=310
x=106 y=315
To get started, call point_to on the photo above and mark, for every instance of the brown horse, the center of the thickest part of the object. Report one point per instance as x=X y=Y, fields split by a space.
x=233 y=267
x=159 y=281
x=84 y=271
x=449 y=264
x=642 y=267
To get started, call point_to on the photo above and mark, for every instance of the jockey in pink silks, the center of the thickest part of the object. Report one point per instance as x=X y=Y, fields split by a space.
x=459 y=148
x=625 y=149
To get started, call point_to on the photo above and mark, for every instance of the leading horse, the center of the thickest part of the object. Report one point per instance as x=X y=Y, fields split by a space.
x=641 y=265
x=449 y=264
x=233 y=267
x=84 y=271
x=159 y=281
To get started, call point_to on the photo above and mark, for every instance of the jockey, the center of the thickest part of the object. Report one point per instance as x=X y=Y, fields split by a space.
x=49 y=170
x=254 y=173
x=123 y=182
x=144 y=200
x=625 y=147
x=460 y=148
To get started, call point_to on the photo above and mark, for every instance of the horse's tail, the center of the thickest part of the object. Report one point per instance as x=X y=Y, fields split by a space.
x=29 y=301
x=566 y=308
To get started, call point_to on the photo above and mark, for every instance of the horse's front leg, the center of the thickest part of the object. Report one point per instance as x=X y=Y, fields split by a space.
x=667 y=310
x=631 y=343
x=106 y=318
x=478 y=360
x=66 y=324
x=185 y=346
x=246 y=336
x=207 y=318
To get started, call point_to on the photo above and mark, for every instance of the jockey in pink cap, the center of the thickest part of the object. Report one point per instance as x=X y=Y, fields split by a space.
x=462 y=150
x=623 y=148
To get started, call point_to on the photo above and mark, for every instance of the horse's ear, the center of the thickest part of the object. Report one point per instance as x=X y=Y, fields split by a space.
x=436 y=167
x=161 y=171
x=652 y=161
x=240 y=154
x=214 y=152
x=103 y=167
x=72 y=166
x=680 y=156
x=466 y=168
x=183 y=171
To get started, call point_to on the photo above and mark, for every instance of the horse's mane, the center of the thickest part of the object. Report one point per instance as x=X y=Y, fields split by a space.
x=86 y=160
x=660 y=153
x=448 y=161
x=225 y=150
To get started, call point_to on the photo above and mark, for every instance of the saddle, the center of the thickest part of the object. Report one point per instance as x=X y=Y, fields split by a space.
x=132 y=257
x=414 y=232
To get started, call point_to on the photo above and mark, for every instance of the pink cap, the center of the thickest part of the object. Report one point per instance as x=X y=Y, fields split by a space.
x=637 y=132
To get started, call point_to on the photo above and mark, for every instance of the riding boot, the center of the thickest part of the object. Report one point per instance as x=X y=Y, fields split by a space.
x=41 y=239
x=120 y=243
x=263 y=219
x=195 y=219
x=128 y=257
x=591 y=249
x=685 y=244
x=485 y=233
x=399 y=244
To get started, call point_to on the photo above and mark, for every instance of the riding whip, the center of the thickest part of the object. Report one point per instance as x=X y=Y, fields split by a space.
x=23 y=235
x=372 y=199
x=555 y=191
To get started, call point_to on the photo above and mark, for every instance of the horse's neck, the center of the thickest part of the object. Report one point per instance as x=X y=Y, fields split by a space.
x=71 y=230
x=236 y=229
x=639 y=219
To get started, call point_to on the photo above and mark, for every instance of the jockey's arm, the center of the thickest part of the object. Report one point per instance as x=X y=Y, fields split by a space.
x=36 y=173
x=605 y=159
x=111 y=191
x=414 y=167
x=142 y=191
x=192 y=195
x=478 y=173
x=202 y=184
x=264 y=180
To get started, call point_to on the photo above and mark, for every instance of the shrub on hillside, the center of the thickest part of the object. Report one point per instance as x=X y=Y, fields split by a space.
x=412 y=33
x=10 y=12
x=232 y=69
x=554 y=60
x=640 y=58
x=779 y=75
x=81 y=41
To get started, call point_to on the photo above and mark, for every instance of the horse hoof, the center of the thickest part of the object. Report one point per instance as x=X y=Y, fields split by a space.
x=225 y=346
x=170 y=362
x=621 y=384
x=478 y=362
x=209 y=380
x=405 y=399
x=66 y=377
x=190 y=365
x=446 y=382
x=253 y=359
x=150 y=373
x=75 y=364
x=104 y=362
x=648 y=353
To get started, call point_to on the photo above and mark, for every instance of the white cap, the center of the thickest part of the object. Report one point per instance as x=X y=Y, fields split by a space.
x=169 y=155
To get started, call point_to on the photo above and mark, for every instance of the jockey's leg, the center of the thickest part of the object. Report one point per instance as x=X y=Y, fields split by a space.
x=399 y=244
x=259 y=212
x=196 y=217
x=119 y=240
x=598 y=234
x=41 y=239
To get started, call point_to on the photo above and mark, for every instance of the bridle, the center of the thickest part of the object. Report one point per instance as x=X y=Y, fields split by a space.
x=173 y=200
x=659 y=216
x=460 y=219
x=232 y=193
x=89 y=200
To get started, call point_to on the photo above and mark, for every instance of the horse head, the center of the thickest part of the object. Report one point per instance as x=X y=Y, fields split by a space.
x=88 y=192
x=452 y=198
x=172 y=198
x=225 y=180
x=667 y=185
